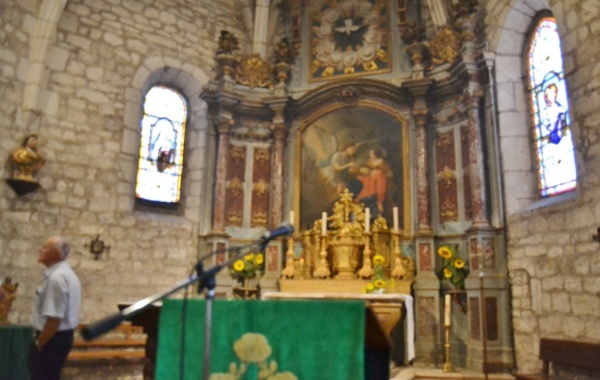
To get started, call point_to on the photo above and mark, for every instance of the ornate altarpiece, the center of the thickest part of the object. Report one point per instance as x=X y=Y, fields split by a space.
x=443 y=151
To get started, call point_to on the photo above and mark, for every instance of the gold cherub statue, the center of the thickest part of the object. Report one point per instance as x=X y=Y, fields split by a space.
x=26 y=160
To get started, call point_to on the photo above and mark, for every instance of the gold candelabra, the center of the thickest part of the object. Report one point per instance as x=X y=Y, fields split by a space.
x=448 y=367
x=399 y=270
x=367 y=269
x=322 y=270
x=289 y=270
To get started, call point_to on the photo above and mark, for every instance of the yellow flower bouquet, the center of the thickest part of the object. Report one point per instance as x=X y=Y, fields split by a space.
x=378 y=283
x=454 y=268
x=247 y=267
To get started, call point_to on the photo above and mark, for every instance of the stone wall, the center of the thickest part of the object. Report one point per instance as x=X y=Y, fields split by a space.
x=554 y=265
x=100 y=58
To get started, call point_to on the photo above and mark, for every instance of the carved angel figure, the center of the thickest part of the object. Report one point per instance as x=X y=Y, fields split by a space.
x=26 y=160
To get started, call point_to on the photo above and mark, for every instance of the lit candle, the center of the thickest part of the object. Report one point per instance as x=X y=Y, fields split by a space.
x=367 y=219
x=447 y=310
x=324 y=223
x=396 y=219
x=292 y=217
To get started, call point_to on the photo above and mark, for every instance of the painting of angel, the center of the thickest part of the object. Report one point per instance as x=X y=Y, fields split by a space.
x=359 y=149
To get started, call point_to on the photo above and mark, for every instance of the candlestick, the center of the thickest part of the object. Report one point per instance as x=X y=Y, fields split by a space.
x=447 y=366
x=396 y=219
x=324 y=223
x=447 y=310
x=292 y=217
x=367 y=220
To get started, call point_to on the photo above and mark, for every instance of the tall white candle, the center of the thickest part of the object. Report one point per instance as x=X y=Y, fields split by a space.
x=292 y=217
x=447 y=310
x=324 y=223
x=396 y=219
x=367 y=219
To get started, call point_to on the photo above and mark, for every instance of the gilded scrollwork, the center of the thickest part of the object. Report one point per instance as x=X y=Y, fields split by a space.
x=444 y=141
x=253 y=71
x=262 y=155
x=237 y=154
x=445 y=46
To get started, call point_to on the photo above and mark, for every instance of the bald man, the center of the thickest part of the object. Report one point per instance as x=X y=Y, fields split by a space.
x=56 y=311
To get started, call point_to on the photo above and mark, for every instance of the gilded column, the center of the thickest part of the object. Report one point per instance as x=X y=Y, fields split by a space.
x=223 y=129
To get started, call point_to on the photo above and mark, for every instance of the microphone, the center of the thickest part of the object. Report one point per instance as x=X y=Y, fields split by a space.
x=283 y=230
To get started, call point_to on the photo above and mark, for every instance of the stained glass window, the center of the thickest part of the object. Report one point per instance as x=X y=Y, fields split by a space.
x=550 y=111
x=161 y=146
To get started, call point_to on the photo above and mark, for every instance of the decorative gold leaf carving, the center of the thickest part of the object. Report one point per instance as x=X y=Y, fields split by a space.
x=448 y=211
x=444 y=47
x=235 y=186
x=253 y=71
x=446 y=177
x=260 y=188
x=237 y=153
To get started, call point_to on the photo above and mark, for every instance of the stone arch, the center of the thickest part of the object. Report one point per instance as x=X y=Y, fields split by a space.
x=44 y=30
x=189 y=80
x=508 y=41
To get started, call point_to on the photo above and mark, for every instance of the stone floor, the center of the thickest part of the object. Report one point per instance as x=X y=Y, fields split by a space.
x=132 y=370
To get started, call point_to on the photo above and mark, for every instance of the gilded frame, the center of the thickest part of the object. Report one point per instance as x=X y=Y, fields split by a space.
x=380 y=119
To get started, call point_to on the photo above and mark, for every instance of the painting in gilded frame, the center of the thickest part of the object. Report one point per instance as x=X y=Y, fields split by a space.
x=361 y=149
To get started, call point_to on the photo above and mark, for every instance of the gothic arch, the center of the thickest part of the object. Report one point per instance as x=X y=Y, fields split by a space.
x=44 y=30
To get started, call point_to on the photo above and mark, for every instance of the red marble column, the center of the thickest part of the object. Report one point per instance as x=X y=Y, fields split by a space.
x=476 y=160
x=279 y=135
x=423 y=201
x=223 y=129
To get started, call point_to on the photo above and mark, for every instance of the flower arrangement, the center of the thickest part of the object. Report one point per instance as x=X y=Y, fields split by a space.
x=378 y=283
x=247 y=267
x=454 y=268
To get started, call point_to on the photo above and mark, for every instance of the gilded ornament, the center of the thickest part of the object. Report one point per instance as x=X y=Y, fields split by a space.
x=235 y=186
x=444 y=47
x=261 y=188
x=253 y=71
x=448 y=211
x=445 y=141
x=228 y=43
x=237 y=153
x=262 y=155
x=447 y=177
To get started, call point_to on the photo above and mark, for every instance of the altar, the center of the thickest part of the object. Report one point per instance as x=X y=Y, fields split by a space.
x=388 y=309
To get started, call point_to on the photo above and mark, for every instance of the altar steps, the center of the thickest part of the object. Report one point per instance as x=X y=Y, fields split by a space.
x=412 y=373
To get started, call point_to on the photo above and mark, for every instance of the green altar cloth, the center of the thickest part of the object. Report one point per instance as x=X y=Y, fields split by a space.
x=15 y=345
x=263 y=340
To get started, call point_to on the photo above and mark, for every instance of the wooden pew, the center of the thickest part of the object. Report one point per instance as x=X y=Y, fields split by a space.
x=125 y=341
x=581 y=355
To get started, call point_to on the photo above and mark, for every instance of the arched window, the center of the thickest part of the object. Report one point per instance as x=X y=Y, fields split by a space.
x=548 y=95
x=161 y=146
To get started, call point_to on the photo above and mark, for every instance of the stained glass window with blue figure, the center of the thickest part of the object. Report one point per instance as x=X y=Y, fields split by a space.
x=557 y=171
x=161 y=146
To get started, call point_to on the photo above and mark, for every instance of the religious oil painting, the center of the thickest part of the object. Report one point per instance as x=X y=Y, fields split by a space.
x=361 y=149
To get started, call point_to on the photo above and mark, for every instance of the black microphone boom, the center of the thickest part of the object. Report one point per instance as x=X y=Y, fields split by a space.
x=283 y=230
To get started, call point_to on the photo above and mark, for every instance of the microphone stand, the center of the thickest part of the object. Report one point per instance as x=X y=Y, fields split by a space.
x=206 y=280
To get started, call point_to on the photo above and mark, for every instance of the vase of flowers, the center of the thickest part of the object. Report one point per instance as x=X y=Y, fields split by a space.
x=378 y=284
x=247 y=272
x=455 y=271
